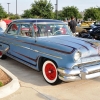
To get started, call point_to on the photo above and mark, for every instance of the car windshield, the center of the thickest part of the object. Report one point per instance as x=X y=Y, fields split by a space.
x=51 y=29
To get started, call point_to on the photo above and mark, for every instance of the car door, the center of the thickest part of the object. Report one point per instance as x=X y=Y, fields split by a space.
x=23 y=42
x=10 y=37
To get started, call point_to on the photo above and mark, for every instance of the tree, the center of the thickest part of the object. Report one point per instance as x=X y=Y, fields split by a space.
x=67 y=12
x=27 y=14
x=59 y=15
x=13 y=16
x=39 y=9
x=92 y=13
x=3 y=14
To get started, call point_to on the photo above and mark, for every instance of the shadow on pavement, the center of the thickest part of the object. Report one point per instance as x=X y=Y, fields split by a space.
x=23 y=72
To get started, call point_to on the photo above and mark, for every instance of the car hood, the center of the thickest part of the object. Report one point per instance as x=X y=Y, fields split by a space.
x=87 y=47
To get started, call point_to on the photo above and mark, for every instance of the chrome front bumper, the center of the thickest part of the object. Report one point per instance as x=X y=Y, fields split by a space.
x=79 y=73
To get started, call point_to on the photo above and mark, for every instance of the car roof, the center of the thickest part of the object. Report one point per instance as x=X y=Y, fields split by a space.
x=38 y=20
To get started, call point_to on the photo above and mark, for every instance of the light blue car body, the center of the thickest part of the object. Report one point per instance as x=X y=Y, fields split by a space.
x=60 y=49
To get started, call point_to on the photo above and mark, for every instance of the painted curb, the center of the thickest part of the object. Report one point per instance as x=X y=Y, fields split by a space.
x=10 y=87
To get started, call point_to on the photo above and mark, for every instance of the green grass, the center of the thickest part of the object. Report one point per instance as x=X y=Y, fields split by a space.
x=1 y=84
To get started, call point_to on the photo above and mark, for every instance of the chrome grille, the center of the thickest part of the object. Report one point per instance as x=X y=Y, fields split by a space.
x=90 y=61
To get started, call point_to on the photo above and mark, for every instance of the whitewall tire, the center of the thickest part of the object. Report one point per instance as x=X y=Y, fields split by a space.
x=50 y=73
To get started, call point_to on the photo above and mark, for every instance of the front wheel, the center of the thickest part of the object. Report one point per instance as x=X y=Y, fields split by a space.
x=50 y=73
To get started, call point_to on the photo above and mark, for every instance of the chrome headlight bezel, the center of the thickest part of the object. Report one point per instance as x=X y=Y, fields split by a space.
x=77 y=55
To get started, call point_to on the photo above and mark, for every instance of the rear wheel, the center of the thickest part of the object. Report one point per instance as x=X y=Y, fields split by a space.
x=50 y=73
x=2 y=56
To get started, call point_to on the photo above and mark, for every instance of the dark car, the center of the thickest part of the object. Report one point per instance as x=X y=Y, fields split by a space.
x=93 y=33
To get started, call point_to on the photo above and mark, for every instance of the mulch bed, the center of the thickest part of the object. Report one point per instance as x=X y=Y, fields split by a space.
x=4 y=78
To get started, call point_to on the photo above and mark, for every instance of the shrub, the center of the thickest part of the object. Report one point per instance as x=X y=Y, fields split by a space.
x=1 y=84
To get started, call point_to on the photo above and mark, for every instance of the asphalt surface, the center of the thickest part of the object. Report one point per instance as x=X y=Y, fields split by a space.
x=34 y=87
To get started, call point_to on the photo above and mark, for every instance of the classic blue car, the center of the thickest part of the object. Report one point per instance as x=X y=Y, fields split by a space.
x=47 y=45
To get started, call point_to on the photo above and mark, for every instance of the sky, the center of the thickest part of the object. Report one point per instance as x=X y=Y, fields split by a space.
x=26 y=4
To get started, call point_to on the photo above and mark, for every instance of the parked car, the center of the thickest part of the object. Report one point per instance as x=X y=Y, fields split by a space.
x=93 y=33
x=80 y=29
x=51 y=48
x=87 y=23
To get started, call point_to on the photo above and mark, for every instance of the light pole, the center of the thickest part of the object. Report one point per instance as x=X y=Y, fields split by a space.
x=8 y=8
x=16 y=7
x=56 y=6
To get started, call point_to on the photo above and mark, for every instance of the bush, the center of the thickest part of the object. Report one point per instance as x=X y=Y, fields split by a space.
x=1 y=84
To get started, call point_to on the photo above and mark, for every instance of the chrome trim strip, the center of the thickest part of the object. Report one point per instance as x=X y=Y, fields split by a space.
x=37 y=51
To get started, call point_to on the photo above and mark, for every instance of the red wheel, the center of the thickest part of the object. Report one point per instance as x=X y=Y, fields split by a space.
x=50 y=73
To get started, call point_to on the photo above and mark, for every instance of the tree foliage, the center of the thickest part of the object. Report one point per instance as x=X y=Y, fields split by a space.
x=3 y=13
x=13 y=16
x=39 y=9
x=92 y=13
x=67 y=12
x=27 y=14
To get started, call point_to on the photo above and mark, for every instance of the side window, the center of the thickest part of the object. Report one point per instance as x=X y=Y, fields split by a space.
x=25 y=30
x=13 y=29
x=42 y=30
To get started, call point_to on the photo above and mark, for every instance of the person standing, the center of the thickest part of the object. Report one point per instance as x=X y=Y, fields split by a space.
x=2 y=24
x=72 y=24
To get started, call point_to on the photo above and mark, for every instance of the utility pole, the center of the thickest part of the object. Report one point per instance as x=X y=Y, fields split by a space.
x=56 y=9
x=8 y=8
x=16 y=7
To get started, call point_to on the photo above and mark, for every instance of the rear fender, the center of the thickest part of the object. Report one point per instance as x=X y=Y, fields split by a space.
x=3 y=49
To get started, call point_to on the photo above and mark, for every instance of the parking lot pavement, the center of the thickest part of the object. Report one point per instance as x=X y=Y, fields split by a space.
x=33 y=86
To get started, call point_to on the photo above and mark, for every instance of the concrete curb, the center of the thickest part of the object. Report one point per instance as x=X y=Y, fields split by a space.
x=10 y=87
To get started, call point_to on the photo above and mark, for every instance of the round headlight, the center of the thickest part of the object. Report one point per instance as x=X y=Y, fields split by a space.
x=77 y=55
